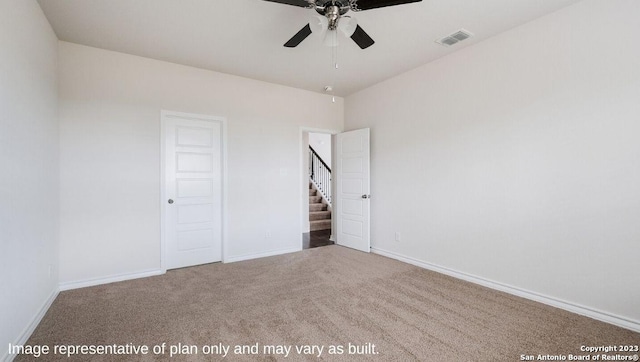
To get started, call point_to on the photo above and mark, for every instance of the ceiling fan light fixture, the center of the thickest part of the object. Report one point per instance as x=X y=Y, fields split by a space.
x=347 y=26
x=319 y=25
x=331 y=38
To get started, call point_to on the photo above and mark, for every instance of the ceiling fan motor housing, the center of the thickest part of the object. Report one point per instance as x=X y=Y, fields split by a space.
x=332 y=13
x=338 y=3
x=332 y=10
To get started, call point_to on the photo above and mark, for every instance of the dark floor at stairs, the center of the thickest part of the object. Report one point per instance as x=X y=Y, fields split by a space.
x=315 y=239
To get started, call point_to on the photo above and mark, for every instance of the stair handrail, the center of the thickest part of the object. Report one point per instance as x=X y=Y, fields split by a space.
x=320 y=174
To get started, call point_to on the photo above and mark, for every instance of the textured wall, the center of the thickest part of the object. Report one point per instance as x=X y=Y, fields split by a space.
x=516 y=159
x=28 y=167
x=110 y=157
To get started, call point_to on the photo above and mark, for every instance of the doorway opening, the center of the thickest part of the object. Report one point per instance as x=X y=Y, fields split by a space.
x=350 y=198
x=317 y=156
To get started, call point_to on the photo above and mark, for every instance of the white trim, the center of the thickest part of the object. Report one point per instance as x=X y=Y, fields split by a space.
x=544 y=299
x=164 y=114
x=109 y=279
x=163 y=195
x=225 y=198
x=26 y=333
x=233 y=259
x=318 y=130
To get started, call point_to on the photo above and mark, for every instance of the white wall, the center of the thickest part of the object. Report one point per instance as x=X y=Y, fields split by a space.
x=517 y=159
x=28 y=168
x=110 y=160
x=321 y=143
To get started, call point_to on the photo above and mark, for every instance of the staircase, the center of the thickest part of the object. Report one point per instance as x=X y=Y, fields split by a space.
x=319 y=215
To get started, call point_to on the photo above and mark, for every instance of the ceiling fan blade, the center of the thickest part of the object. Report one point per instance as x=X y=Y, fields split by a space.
x=301 y=3
x=374 y=4
x=299 y=37
x=362 y=38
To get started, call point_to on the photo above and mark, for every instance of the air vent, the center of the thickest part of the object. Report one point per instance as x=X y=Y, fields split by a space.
x=454 y=38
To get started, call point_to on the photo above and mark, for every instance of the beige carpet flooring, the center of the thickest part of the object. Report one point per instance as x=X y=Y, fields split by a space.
x=329 y=296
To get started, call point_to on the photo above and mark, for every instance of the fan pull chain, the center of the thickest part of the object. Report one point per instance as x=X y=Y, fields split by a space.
x=334 y=60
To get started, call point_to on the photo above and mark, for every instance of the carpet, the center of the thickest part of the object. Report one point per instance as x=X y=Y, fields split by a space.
x=329 y=303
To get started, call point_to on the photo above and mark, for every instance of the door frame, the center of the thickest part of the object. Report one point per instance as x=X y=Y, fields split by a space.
x=164 y=116
x=304 y=178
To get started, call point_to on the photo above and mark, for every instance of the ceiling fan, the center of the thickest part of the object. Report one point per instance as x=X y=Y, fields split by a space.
x=332 y=11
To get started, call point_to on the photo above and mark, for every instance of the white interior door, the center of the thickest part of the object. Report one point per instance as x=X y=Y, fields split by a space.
x=352 y=189
x=192 y=197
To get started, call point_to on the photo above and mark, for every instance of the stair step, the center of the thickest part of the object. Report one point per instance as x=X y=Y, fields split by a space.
x=320 y=224
x=315 y=199
x=317 y=207
x=319 y=215
x=312 y=192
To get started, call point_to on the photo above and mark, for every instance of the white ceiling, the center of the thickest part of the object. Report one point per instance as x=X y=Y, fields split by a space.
x=245 y=37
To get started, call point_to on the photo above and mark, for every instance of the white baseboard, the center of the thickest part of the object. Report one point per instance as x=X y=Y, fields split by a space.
x=554 y=302
x=233 y=259
x=109 y=279
x=26 y=333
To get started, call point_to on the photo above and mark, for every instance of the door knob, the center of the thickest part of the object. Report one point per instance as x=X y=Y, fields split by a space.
x=170 y=201
x=366 y=196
